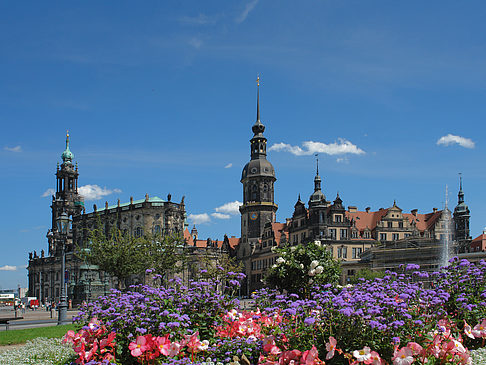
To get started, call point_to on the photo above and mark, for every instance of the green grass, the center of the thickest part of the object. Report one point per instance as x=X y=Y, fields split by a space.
x=12 y=337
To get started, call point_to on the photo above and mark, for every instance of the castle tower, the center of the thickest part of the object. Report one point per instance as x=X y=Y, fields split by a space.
x=258 y=178
x=317 y=208
x=461 y=220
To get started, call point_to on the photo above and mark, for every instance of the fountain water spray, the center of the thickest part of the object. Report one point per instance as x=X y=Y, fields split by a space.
x=446 y=240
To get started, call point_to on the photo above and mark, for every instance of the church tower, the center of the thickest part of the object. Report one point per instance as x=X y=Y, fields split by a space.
x=66 y=198
x=461 y=220
x=258 y=178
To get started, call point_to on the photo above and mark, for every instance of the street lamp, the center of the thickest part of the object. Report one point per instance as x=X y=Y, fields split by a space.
x=63 y=229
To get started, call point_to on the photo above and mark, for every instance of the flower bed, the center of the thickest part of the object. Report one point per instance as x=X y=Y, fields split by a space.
x=393 y=320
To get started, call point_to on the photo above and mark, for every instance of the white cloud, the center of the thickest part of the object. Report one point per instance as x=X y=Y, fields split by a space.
x=201 y=19
x=13 y=149
x=9 y=268
x=220 y=216
x=195 y=42
x=228 y=165
x=248 y=8
x=452 y=139
x=95 y=192
x=199 y=218
x=231 y=208
x=48 y=192
x=342 y=160
x=309 y=147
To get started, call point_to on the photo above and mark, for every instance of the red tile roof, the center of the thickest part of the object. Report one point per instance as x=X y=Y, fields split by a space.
x=366 y=219
x=233 y=241
x=370 y=219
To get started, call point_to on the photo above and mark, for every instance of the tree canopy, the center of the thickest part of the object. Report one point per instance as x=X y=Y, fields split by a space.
x=121 y=255
x=300 y=267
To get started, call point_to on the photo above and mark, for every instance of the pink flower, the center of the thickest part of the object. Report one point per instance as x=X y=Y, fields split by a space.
x=309 y=357
x=362 y=355
x=139 y=347
x=330 y=347
x=403 y=357
x=163 y=344
x=174 y=349
x=415 y=347
x=374 y=359
x=193 y=343
x=289 y=357
x=270 y=346
x=479 y=330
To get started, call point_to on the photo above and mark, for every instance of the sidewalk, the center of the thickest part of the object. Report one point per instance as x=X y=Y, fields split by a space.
x=37 y=318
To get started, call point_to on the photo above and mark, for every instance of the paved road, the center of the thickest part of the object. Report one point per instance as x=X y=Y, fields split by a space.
x=31 y=319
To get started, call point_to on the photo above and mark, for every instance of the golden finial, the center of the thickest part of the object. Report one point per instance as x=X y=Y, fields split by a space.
x=258 y=80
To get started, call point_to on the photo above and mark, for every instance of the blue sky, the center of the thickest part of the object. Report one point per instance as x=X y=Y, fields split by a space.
x=159 y=98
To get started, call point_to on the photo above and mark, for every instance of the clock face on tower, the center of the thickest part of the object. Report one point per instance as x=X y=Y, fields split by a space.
x=253 y=216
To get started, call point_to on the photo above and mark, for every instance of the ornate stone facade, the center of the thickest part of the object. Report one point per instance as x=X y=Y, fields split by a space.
x=84 y=281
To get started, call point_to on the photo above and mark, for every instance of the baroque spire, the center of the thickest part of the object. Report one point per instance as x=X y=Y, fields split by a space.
x=258 y=128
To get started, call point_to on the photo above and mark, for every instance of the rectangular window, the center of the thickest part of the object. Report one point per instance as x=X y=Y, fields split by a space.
x=395 y=237
x=343 y=234
x=382 y=236
x=400 y=224
x=338 y=218
x=407 y=235
x=342 y=252
x=390 y=224
x=332 y=233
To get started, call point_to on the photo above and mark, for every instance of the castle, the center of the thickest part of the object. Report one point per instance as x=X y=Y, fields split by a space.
x=347 y=232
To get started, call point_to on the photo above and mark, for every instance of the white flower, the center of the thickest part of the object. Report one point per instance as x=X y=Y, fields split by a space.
x=317 y=243
x=362 y=355
x=272 y=249
x=280 y=260
x=319 y=269
x=293 y=248
x=203 y=346
x=311 y=281
x=301 y=266
x=311 y=272
x=314 y=264
x=274 y=266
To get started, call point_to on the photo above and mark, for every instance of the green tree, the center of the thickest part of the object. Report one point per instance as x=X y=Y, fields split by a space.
x=300 y=267
x=165 y=254
x=123 y=256
x=117 y=253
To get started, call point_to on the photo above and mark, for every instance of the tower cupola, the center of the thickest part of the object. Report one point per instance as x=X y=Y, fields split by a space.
x=67 y=155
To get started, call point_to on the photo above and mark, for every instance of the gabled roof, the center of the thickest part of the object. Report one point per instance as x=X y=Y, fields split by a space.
x=279 y=229
x=365 y=220
x=479 y=239
x=370 y=219
x=423 y=221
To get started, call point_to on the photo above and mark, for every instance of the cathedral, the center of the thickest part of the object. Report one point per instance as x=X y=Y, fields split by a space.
x=85 y=281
